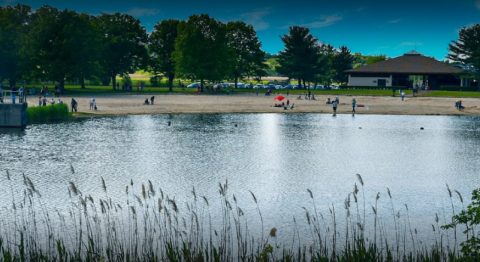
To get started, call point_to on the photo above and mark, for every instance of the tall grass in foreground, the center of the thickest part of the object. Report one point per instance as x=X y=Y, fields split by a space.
x=151 y=227
x=40 y=114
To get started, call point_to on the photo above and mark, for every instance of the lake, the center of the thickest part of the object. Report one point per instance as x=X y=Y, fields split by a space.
x=277 y=157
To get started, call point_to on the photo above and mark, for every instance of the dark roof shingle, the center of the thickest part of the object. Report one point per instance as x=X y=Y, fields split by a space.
x=408 y=64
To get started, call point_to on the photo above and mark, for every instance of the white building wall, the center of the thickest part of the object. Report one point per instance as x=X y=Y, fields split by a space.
x=367 y=81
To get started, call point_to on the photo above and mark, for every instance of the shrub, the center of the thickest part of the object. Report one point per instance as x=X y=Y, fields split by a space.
x=55 y=112
x=459 y=88
x=471 y=219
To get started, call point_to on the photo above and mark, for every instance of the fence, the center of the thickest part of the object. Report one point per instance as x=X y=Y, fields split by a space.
x=12 y=97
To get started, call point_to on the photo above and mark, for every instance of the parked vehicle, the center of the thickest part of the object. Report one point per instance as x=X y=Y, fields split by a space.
x=298 y=87
x=288 y=87
x=259 y=86
x=272 y=86
x=194 y=85
x=278 y=87
x=335 y=86
x=240 y=85
x=318 y=87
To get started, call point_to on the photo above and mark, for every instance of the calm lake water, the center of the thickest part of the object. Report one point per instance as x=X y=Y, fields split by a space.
x=275 y=156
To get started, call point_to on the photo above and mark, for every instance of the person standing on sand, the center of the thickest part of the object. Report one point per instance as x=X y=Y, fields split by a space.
x=353 y=105
x=151 y=99
x=403 y=95
x=334 y=105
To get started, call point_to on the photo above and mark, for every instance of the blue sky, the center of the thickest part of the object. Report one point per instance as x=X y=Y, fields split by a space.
x=370 y=27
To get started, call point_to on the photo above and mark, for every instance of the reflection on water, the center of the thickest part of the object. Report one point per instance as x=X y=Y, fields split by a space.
x=276 y=156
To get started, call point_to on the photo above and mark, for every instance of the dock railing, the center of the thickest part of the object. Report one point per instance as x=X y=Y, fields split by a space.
x=13 y=97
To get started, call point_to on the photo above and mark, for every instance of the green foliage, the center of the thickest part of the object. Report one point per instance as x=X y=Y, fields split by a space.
x=62 y=45
x=459 y=88
x=126 y=80
x=201 y=49
x=161 y=47
x=247 y=60
x=301 y=58
x=41 y=114
x=470 y=218
x=343 y=60
x=466 y=51
x=13 y=28
x=272 y=67
x=125 y=40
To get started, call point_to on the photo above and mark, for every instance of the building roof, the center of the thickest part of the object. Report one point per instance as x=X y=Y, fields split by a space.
x=412 y=63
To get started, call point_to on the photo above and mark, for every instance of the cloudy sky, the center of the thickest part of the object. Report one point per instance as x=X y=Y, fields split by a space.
x=370 y=27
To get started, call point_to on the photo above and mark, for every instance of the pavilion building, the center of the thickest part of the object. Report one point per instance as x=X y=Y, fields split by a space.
x=407 y=71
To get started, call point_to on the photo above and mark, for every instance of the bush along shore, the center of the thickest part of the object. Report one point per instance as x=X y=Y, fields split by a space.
x=151 y=226
x=42 y=114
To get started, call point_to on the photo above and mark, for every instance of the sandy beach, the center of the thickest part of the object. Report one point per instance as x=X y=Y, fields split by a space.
x=251 y=103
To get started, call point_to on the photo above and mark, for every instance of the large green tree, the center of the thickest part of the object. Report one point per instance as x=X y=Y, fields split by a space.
x=201 y=51
x=44 y=54
x=85 y=43
x=247 y=57
x=62 y=45
x=13 y=28
x=466 y=50
x=343 y=60
x=301 y=58
x=161 y=47
x=124 y=41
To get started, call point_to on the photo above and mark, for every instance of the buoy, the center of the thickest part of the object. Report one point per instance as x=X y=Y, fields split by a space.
x=360 y=128
x=169 y=123
x=235 y=125
x=421 y=128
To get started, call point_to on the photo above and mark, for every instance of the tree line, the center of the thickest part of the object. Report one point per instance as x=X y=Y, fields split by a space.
x=63 y=45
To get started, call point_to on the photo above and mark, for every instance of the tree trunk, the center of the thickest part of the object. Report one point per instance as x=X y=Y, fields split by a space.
x=201 y=85
x=82 y=82
x=170 y=82
x=114 y=81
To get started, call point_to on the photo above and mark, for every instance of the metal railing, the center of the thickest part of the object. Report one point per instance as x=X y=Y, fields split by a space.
x=13 y=97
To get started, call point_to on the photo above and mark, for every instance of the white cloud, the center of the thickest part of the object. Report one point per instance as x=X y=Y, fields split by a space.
x=324 y=21
x=396 y=21
x=477 y=4
x=255 y=19
x=143 y=12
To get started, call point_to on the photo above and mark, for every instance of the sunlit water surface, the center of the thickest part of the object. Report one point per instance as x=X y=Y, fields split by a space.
x=275 y=156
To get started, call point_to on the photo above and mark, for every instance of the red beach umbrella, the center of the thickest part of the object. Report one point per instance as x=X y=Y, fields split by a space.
x=279 y=98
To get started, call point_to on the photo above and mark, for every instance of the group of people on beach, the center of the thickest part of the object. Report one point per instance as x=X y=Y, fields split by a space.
x=336 y=102
x=146 y=102
x=285 y=105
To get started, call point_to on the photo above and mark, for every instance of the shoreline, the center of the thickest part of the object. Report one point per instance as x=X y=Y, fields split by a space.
x=132 y=104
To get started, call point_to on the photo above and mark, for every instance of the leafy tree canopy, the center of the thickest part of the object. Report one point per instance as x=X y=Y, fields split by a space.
x=301 y=58
x=466 y=50
x=247 y=57
x=125 y=40
x=201 y=49
x=161 y=47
